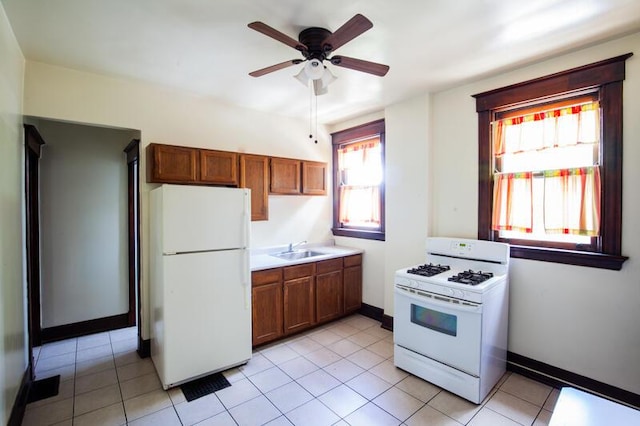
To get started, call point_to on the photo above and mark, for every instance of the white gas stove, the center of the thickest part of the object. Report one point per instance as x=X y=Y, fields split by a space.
x=451 y=314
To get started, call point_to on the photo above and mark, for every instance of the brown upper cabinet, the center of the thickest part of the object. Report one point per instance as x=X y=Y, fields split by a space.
x=218 y=167
x=285 y=176
x=254 y=174
x=314 y=178
x=172 y=164
x=180 y=164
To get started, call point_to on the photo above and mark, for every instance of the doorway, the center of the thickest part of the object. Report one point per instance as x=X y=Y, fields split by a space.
x=44 y=329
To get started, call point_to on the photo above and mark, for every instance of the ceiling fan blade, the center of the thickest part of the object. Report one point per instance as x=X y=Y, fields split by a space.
x=350 y=30
x=265 y=29
x=275 y=67
x=360 y=65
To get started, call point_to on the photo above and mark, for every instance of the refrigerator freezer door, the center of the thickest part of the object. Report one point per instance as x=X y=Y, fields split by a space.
x=202 y=315
x=204 y=218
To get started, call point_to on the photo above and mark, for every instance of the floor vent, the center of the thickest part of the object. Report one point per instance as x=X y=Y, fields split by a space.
x=204 y=386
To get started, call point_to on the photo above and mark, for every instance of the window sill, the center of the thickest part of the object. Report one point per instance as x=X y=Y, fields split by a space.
x=569 y=257
x=359 y=233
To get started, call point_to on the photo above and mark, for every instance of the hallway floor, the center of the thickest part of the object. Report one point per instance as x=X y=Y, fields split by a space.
x=341 y=373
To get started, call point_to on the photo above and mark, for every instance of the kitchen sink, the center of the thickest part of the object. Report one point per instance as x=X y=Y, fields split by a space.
x=298 y=254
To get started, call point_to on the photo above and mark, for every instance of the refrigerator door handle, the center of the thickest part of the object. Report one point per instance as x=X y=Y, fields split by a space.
x=247 y=221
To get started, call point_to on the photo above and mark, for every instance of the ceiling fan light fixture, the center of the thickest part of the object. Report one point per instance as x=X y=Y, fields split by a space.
x=319 y=88
x=328 y=77
x=314 y=69
x=321 y=85
x=302 y=78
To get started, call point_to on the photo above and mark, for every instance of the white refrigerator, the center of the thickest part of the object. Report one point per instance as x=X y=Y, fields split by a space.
x=200 y=281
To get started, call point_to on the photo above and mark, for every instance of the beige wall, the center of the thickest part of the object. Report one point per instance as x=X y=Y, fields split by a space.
x=584 y=320
x=580 y=319
x=83 y=223
x=166 y=116
x=12 y=281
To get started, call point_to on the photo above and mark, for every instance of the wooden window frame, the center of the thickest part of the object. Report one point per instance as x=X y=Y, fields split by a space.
x=606 y=78
x=374 y=128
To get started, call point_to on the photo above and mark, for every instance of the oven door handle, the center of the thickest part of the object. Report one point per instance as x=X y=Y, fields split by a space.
x=440 y=301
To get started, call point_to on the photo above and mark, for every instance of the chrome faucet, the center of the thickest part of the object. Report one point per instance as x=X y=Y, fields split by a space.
x=292 y=246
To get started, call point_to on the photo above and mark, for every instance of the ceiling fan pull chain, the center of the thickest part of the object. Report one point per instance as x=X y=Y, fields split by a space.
x=316 y=119
x=310 y=113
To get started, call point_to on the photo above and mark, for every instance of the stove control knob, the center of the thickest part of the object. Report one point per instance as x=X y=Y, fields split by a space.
x=459 y=294
x=449 y=291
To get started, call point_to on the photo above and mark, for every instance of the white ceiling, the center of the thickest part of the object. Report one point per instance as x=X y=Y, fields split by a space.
x=205 y=46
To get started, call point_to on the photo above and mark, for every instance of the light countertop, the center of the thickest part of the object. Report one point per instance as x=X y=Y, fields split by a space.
x=262 y=258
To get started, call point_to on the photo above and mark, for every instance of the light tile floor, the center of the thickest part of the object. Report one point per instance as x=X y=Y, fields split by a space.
x=339 y=374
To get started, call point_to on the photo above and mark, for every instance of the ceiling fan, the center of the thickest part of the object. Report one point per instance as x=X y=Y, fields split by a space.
x=316 y=44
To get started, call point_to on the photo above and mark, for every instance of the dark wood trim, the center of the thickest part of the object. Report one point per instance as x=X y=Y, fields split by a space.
x=557 y=377
x=372 y=312
x=587 y=76
x=611 y=167
x=83 y=328
x=569 y=257
x=359 y=132
x=387 y=322
x=485 y=181
x=374 y=128
x=33 y=150
x=20 y=404
x=359 y=233
x=34 y=140
x=133 y=202
x=144 y=347
x=604 y=78
x=132 y=150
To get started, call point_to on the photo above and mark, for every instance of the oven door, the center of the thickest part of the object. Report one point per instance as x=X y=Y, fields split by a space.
x=437 y=327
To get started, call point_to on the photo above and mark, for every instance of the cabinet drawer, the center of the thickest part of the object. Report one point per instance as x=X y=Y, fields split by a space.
x=353 y=260
x=330 y=265
x=298 y=271
x=266 y=277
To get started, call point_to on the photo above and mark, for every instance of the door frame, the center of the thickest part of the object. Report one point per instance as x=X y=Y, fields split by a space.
x=33 y=144
x=38 y=335
x=133 y=184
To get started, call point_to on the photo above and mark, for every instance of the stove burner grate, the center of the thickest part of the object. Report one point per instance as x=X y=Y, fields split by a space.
x=428 y=270
x=471 y=277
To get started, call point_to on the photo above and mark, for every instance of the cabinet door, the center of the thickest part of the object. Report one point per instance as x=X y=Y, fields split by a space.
x=171 y=164
x=298 y=304
x=329 y=296
x=219 y=167
x=266 y=306
x=267 y=313
x=254 y=174
x=285 y=176
x=352 y=289
x=314 y=178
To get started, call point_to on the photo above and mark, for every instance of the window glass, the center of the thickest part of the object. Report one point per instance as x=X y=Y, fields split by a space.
x=360 y=167
x=532 y=153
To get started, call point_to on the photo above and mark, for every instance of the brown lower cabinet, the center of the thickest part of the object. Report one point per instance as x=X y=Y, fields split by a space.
x=266 y=305
x=352 y=273
x=299 y=297
x=329 y=290
x=294 y=298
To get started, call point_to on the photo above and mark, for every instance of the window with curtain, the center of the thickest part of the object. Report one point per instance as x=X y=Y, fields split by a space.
x=358 y=164
x=547 y=173
x=360 y=167
x=550 y=166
